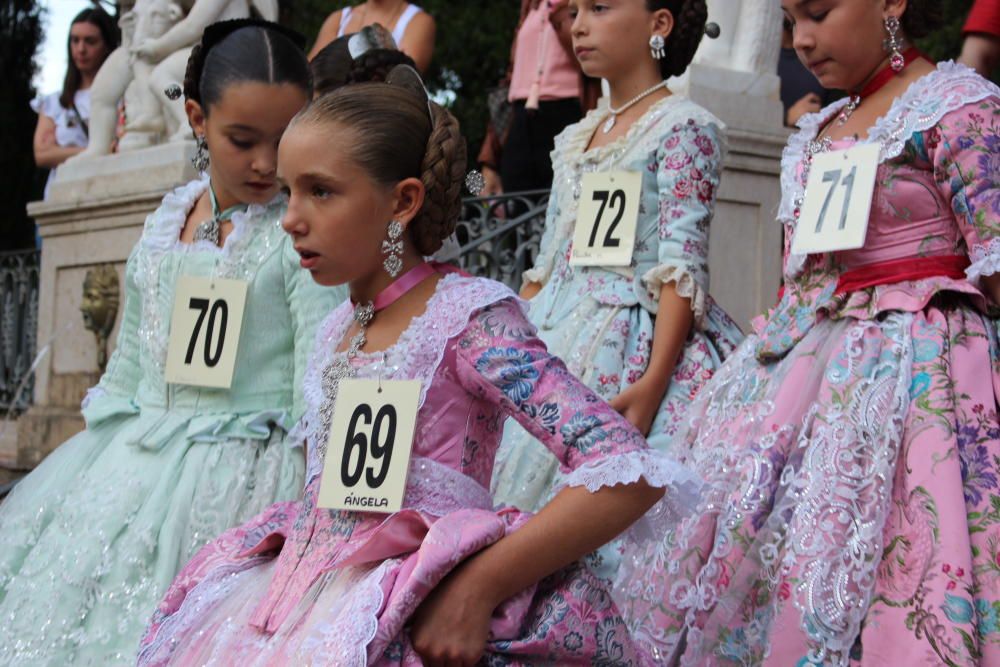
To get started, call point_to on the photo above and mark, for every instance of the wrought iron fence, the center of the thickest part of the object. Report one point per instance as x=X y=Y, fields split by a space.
x=18 y=327
x=498 y=237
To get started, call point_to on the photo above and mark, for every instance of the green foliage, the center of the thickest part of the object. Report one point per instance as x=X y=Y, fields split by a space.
x=471 y=52
x=946 y=42
x=20 y=36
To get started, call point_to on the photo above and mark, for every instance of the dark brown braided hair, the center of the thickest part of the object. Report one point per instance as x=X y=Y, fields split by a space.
x=690 y=17
x=397 y=140
x=243 y=50
x=334 y=67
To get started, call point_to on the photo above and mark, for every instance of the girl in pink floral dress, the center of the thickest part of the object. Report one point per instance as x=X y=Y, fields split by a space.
x=851 y=446
x=446 y=578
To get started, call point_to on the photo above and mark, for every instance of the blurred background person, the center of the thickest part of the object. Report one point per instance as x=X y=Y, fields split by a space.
x=412 y=28
x=543 y=92
x=981 y=47
x=801 y=93
x=62 y=130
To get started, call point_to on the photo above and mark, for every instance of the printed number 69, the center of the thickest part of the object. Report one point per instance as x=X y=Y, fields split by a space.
x=351 y=475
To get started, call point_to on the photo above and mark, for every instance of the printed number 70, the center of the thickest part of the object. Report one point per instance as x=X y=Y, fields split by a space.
x=219 y=312
x=833 y=176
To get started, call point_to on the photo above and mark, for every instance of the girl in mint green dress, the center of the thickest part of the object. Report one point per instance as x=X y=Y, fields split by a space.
x=94 y=535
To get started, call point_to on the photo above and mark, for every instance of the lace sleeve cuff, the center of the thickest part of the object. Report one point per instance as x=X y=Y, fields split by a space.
x=657 y=469
x=535 y=275
x=687 y=287
x=985 y=260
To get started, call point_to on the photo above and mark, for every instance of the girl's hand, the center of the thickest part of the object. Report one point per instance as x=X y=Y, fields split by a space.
x=451 y=626
x=529 y=290
x=638 y=404
x=493 y=186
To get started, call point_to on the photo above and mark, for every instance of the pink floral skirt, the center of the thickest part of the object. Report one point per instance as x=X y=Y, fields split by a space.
x=358 y=614
x=852 y=513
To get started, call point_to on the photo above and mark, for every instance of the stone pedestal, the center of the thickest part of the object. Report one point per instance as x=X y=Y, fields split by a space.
x=746 y=240
x=93 y=216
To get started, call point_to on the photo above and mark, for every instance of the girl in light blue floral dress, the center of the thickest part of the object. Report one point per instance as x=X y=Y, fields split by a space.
x=645 y=336
x=94 y=535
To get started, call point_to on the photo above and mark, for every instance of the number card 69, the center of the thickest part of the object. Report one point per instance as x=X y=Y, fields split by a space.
x=368 y=452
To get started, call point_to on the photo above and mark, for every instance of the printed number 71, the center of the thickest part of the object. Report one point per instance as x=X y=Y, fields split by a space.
x=833 y=176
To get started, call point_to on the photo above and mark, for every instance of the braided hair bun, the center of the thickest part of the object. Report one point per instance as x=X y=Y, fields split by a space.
x=397 y=134
x=690 y=17
x=442 y=173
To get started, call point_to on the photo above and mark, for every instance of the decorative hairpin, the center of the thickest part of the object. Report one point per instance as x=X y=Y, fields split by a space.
x=408 y=78
x=370 y=38
x=173 y=92
x=475 y=182
x=712 y=30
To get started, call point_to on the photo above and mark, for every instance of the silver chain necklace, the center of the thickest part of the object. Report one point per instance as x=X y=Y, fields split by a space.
x=609 y=124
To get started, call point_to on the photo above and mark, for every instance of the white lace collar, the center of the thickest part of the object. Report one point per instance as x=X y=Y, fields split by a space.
x=162 y=230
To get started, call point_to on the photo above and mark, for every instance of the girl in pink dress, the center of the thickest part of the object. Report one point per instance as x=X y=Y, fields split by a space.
x=445 y=579
x=851 y=446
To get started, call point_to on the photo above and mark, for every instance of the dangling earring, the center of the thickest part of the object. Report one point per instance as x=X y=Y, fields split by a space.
x=893 y=44
x=392 y=248
x=656 y=44
x=200 y=159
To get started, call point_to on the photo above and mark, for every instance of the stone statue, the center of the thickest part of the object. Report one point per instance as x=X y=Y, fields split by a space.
x=157 y=36
x=751 y=36
x=100 y=307
x=121 y=76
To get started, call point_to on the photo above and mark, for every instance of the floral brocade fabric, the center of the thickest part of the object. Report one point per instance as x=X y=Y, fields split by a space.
x=851 y=446
x=602 y=319
x=305 y=585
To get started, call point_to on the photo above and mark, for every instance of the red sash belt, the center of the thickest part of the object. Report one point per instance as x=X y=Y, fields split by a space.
x=900 y=270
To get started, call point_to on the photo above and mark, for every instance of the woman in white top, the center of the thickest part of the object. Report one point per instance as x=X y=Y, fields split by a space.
x=412 y=28
x=62 y=128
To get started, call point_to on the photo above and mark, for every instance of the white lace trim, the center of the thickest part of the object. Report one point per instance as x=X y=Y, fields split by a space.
x=929 y=99
x=686 y=285
x=436 y=489
x=357 y=624
x=658 y=469
x=985 y=260
x=535 y=275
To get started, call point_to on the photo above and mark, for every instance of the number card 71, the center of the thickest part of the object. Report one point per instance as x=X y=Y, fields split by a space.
x=838 y=201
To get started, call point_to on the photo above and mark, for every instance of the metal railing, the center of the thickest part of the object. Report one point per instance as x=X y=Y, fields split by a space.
x=498 y=237
x=18 y=327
